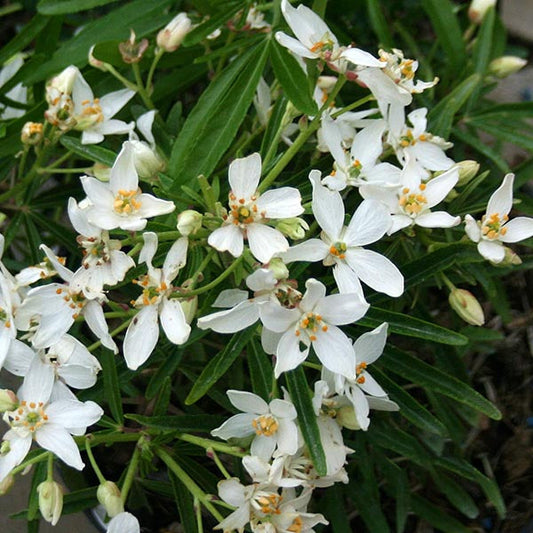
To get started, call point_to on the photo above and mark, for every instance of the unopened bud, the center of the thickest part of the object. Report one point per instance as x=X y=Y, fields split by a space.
x=8 y=400
x=278 y=268
x=50 y=501
x=96 y=63
x=31 y=133
x=293 y=228
x=108 y=495
x=346 y=417
x=504 y=66
x=132 y=51
x=6 y=484
x=147 y=162
x=189 y=307
x=468 y=170
x=189 y=222
x=101 y=172
x=326 y=83
x=465 y=304
x=172 y=35
x=511 y=258
x=478 y=9
x=64 y=81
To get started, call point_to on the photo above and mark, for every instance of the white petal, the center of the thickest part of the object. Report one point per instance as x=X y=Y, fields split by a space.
x=501 y=200
x=261 y=280
x=124 y=523
x=367 y=145
x=244 y=175
x=248 y=402
x=437 y=219
x=57 y=439
x=295 y=46
x=369 y=346
x=94 y=317
x=518 y=229
x=315 y=292
x=265 y=242
x=227 y=238
x=340 y=309
x=239 y=425
x=347 y=280
x=98 y=192
x=332 y=137
x=78 y=218
x=287 y=436
x=19 y=448
x=72 y=413
x=431 y=156
x=284 y=202
x=18 y=358
x=153 y=207
x=491 y=250
x=141 y=337
x=231 y=320
x=277 y=318
x=310 y=250
x=361 y=58
x=123 y=174
x=371 y=386
x=376 y=271
x=112 y=103
x=230 y=298
x=176 y=259
x=328 y=207
x=38 y=383
x=472 y=229
x=263 y=446
x=231 y=491
x=173 y=321
x=335 y=351
x=288 y=353
x=369 y=223
x=438 y=188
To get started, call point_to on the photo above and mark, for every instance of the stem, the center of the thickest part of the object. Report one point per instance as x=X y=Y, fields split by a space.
x=199 y=521
x=50 y=467
x=213 y=444
x=132 y=469
x=203 y=265
x=356 y=104
x=159 y=54
x=272 y=148
x=216 y=281
x=22 y=163
x=127 y=83
x=140 y=87
x=37 y=459
x=447 y=282
x=191 y=486
x=49 y=170
x=107 y=438
x=207 y=193
x=116 y=331
x=211 y=453
x=92 y=460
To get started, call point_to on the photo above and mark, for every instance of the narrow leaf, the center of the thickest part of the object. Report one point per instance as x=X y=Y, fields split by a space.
x=181 y=423
x=111 y=385
x=23 y=38
x=185 y=504
x=379 y=23
x=60 y=7
x=88 y=151
x=436 y=516
x=307 y=420
x=260 y=366
x=456 y=495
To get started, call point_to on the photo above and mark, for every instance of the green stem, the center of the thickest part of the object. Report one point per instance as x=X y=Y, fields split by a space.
x=216 y=281
x=355 y=105
x=140 y=87
x=37 y=459
x=48 y=170
x=92 y=460
x=22 y=162
x=211 y=453
x=447 y=281
x=159 y=54
x=107 y=438
x=191 y=486
x=203 y=265
x=132 y=469
x=127 y=83
x=273 y=147
x=198 y=512
x=207 y=193
x=50 y=467
x=213 y=444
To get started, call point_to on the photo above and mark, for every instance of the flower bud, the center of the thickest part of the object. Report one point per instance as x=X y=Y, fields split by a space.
x=50 y=501
x=6 y=484
x=96 y=63
x=346 y=417
x=189 y=222
x=147 y=161
x=132 y=51
x=31 y=133
x=8 y=400
x=465 y=304
x=504 y=66
x=478 y=9
x=468 y=170
x=511 y=258
x=278 y=268
x=172 y=35
x=293 y=228
x=189 y=307
x=108 y=495
x=101 y=172
x=326 y=83
x=64 y=81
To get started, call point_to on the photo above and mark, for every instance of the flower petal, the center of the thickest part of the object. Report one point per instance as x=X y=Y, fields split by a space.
x=57 y=440
x=288 y=353
x=173 y=321
x=244 y=175
x=247 y=402
x=369 y=223
x=265 y=242
x=501 y=200
x=227 y=238
x=231 y=320
x=141 y=337
x=284 y=202
x=518 y=229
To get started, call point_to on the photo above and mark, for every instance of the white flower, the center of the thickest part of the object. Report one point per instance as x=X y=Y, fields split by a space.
x=342 y=246
x=120 y=203
x=146 y=159
x=49 y=311
x=18 y=93
x=314 y=39
x=143 y=332
x=249 y=213
x=124 y=523
x=314 y=322
x=412 y=203
x=273 y=424
x=495 y=229
x=49 y=423
x=361 y=165
x=172 y=35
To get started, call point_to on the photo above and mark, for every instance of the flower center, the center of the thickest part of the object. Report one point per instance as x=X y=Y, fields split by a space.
x=355 y=169
x=4 y=318
x=265 y=425
x=296 y=526
x=242 y=211
x=126 y=202
x=151 y=293
x=92 y=111
x=359 y=370
x=310 y=324
x=269 y=503
x=492 y=226
x=75 y=300
x=29 y=415
x=338 y=250
x=95 y=251
x=413 y=203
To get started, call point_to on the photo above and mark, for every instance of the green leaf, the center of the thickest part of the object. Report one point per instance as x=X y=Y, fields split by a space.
x=509 y=111
x=260 y=366
x=410 y=409
x=482 y=52
x=292 y=78
x=273 y=126
x=111 y=385
x=505 y=132
x=307 y=420
x=435 y=516
x=334 y=508
x=369 y=506
x=163 y=398
x=219 y=365
x=167 y=368
x=88 y=151
x=466 y=470
x=39 y=475
x=379 y=23
x=141 y=16
x=446 y=25
x=416 y=371
x=60 y=7
x=411 y=327
x=442 y=115
x=23 y=38
x=457 y=496
x=181 y=423
x=215 y=21
x=215 y=120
